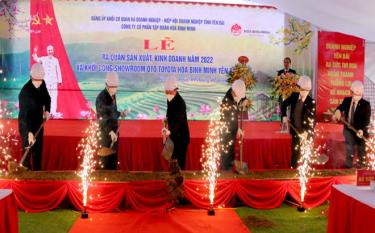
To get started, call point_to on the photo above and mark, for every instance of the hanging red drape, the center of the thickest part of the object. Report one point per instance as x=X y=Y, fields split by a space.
x=38 y=195
x=255 y=194
x=196 y=191
x=101 y=197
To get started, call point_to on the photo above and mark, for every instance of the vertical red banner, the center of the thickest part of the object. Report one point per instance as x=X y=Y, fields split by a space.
x=44 y=32
x=340 y=62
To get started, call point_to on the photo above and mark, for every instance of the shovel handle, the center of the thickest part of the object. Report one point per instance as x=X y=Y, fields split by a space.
x=118 y=130
x=29 y=147
x=241 y=139
x=294 y=128
x=165 y=123
x=351 y=127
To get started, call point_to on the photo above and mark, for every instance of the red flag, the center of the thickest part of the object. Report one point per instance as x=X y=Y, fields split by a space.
x=45 y=31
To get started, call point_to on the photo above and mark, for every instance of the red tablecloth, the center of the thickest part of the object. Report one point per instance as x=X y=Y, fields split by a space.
x=8 y=212
x=351 y=210
x=140 y=145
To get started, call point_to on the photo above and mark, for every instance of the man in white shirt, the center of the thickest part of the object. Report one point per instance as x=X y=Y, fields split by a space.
x=357 y=112
x=52 y=76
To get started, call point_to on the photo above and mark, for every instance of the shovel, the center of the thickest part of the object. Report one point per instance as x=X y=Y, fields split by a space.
x=168 y=145
x=106 y=151
x=322 y=158
x=13 y=166
x=240 y=166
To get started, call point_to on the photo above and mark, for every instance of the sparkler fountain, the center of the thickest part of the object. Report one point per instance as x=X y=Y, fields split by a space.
x=88 y=147
x=7 y=139
x=370 y=145
x=211 y=154
x=310 y=154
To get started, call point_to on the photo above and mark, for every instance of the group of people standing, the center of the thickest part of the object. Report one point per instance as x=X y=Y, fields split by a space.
x=356 y=110
x=35 y=108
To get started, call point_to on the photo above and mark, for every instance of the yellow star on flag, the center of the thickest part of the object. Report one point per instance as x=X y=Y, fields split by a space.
x=47 y=20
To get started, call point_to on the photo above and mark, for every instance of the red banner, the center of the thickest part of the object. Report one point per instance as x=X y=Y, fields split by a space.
x=364 y=177
x=67 y=100
x=340 y=62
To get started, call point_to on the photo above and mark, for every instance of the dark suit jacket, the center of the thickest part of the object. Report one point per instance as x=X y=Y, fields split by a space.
x=280 y=72
x=229 y=112
x=107 y=115
x=32 y=102
x=308 y=111
x=362 y=113
x=177 y=120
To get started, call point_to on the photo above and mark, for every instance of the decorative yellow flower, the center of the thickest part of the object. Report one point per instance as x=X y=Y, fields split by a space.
x=243 y=72
x=297 y=32
x=285 y=85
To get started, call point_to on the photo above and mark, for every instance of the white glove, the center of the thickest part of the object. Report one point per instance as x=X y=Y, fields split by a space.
x=165 y=131
x=31 y=139
x=285 y=120
x=126 y=112
x=113 y=136
x=360 y=133
x=46 y=115
x=337 y=115
x=240 y=133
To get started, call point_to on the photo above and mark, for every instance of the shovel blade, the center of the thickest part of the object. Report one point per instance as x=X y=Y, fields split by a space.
x=105 y=151
x=241 y=168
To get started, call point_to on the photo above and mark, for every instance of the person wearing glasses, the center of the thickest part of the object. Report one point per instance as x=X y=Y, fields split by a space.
x=357 y=113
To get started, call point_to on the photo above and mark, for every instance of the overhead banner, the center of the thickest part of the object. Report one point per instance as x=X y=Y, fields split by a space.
x=146 y=42
x=340 y=62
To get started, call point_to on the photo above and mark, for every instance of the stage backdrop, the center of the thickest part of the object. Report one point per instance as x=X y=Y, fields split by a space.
x=146 y=42
x=340 y=62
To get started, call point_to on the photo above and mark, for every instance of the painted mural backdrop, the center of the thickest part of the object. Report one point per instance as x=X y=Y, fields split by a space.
x=146 y=43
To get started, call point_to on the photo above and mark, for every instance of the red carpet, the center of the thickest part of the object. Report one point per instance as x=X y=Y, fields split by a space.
x=178 y=220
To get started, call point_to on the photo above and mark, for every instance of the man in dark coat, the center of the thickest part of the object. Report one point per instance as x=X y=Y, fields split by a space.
x=178 y=128
x=357 y=112
x=233 y=100
x=287 y=69
x=107 y=115
x=34 y=104
x=302 y=116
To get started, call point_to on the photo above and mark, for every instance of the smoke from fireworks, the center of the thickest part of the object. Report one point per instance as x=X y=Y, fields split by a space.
x=88 y=147
x=211 y=151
